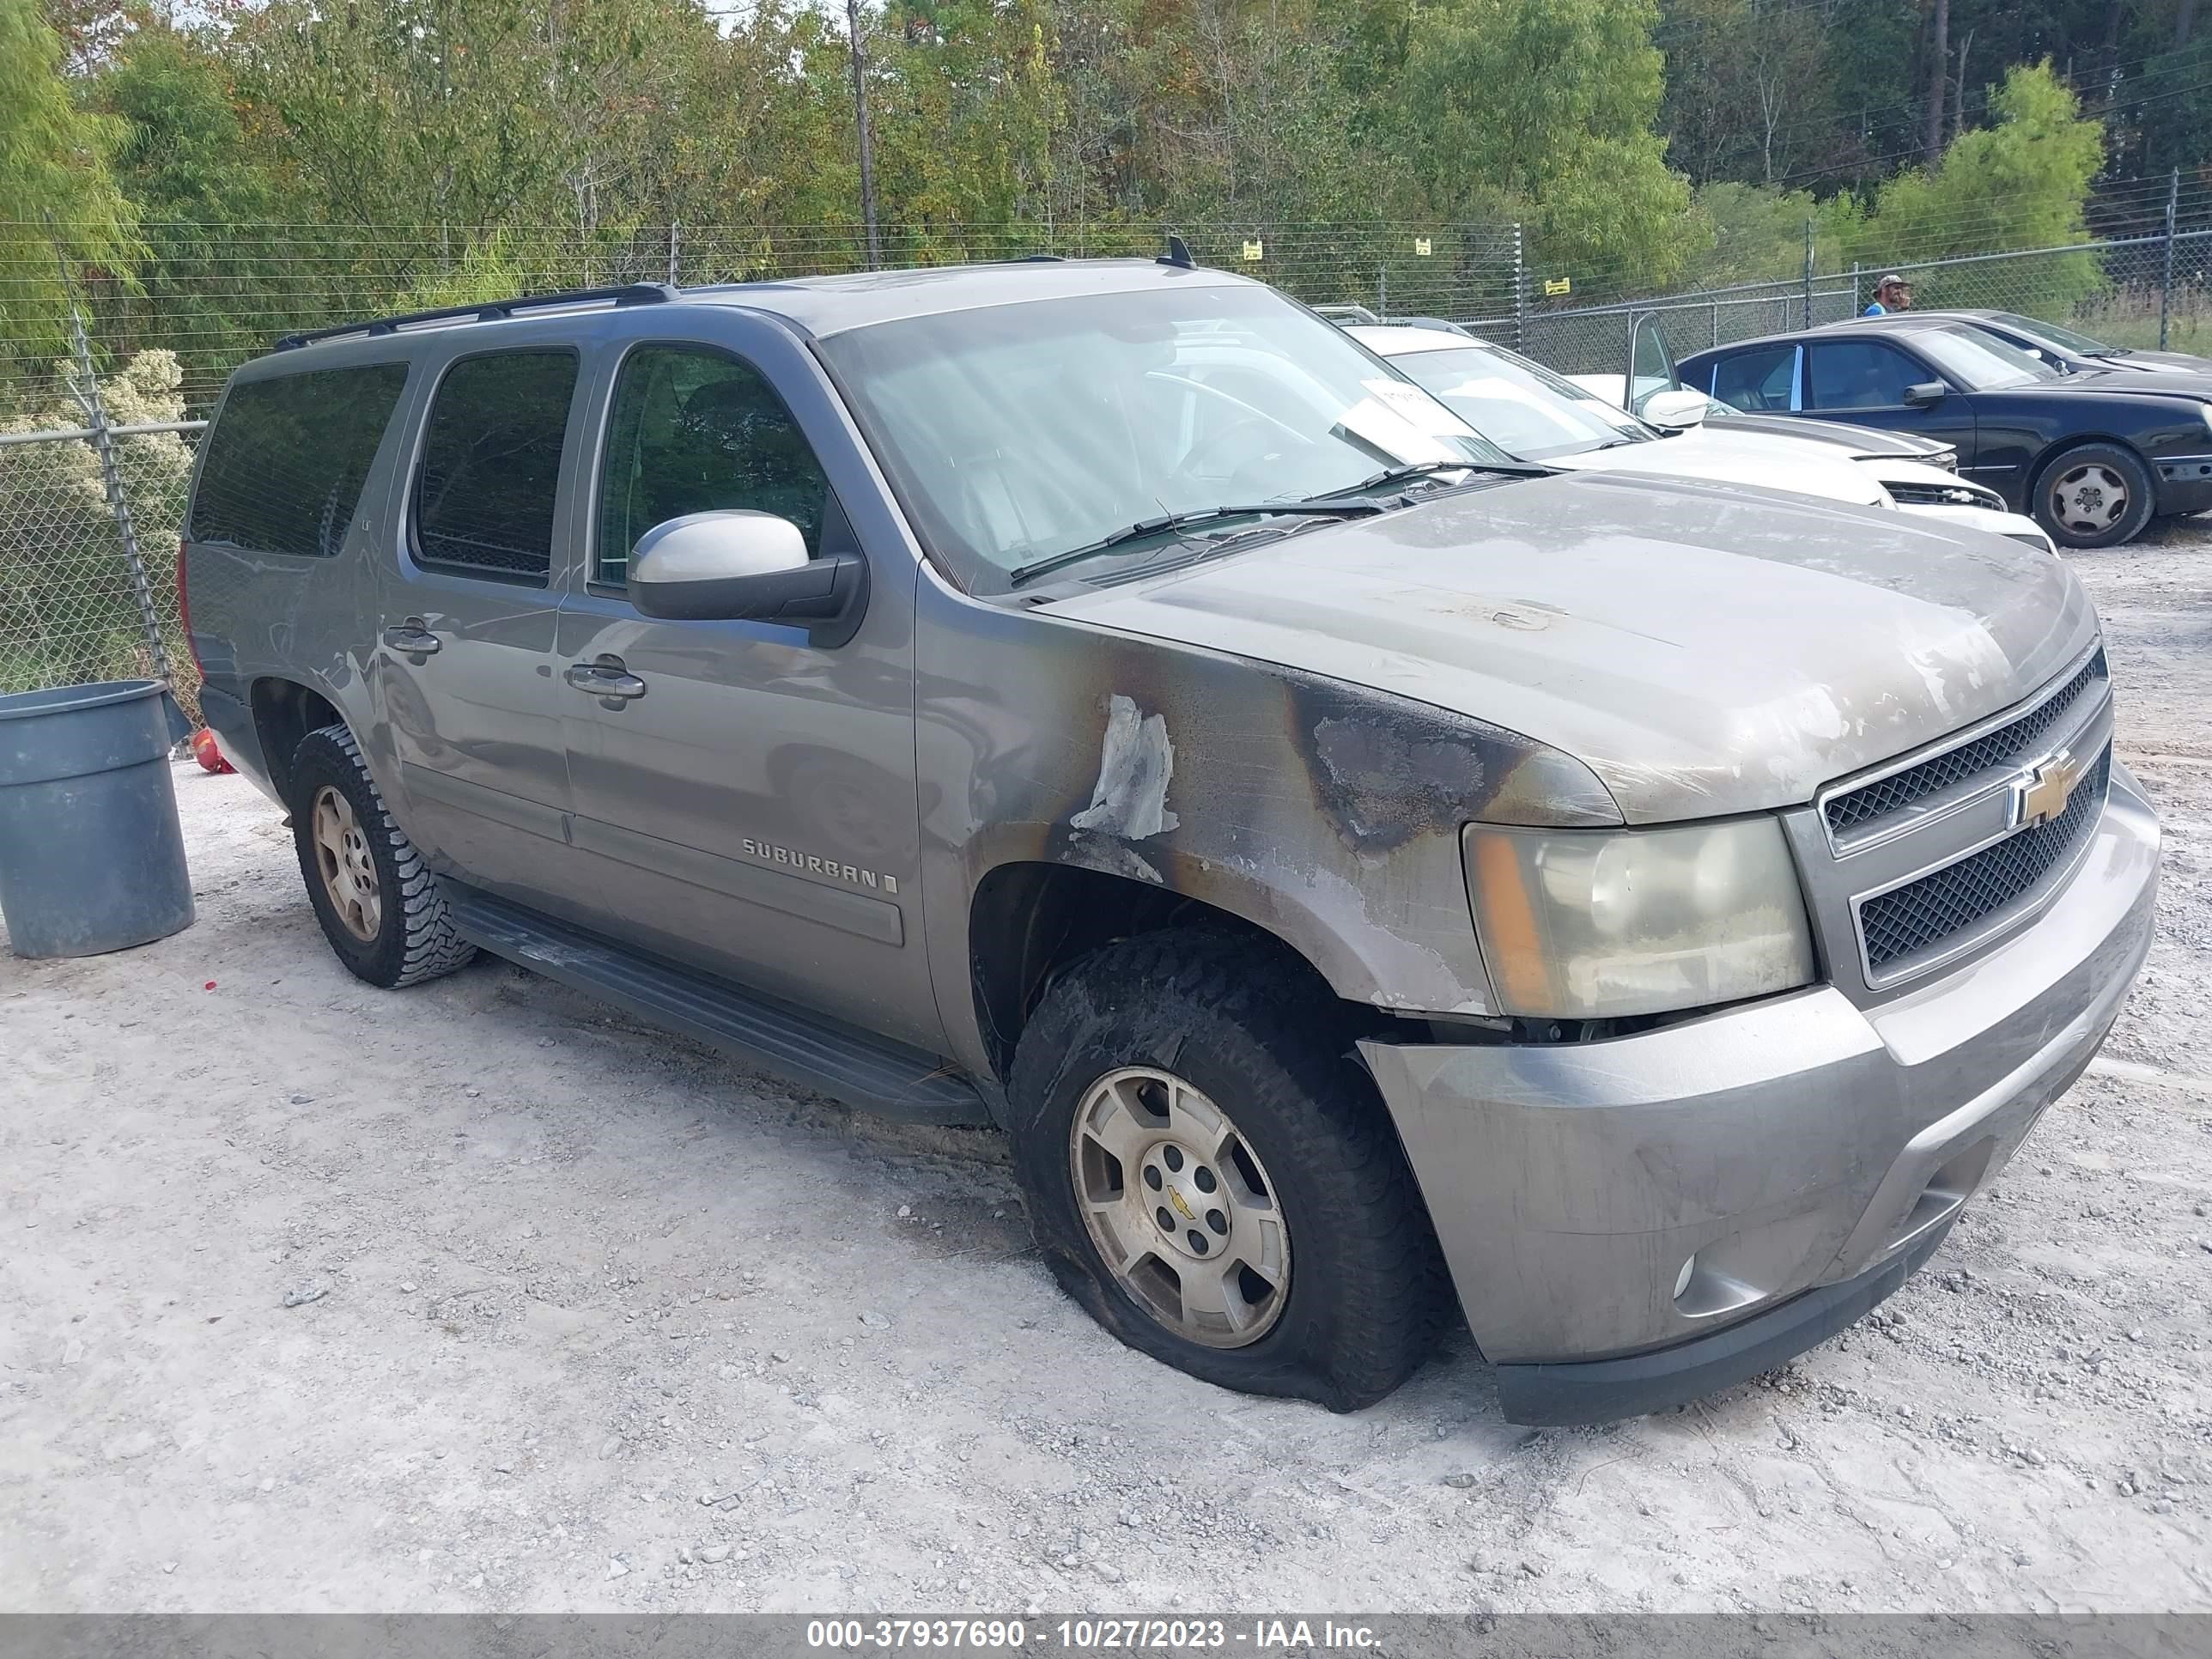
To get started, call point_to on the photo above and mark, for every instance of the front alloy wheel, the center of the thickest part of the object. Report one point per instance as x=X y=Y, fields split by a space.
x=1172 y=1222
x=1179 y=1207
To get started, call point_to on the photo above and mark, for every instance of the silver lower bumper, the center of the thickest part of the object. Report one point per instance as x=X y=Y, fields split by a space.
x=1794 y=1144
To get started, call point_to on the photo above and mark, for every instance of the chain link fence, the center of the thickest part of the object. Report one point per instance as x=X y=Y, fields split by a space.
x=69 y=601
x=2118 y=291
x=216 y=296
x=2141 y=278
x=84 y=478
x=89 y=539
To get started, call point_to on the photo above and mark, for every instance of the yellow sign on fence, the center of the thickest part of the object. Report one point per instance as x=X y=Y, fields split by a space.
x=1255 y=250
x=1559 y=285
x=1421 y=247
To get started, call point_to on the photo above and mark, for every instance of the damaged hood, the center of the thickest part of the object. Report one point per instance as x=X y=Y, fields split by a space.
x=1702 y=649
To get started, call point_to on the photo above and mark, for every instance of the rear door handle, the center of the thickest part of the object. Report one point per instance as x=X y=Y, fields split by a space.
x=604 y=678
x=410 y=638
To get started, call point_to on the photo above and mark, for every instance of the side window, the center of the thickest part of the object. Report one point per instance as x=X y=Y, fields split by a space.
x=694 y=430
x=1857 y=374
x=491 y=462
x=1756 y=380
x=287 y=457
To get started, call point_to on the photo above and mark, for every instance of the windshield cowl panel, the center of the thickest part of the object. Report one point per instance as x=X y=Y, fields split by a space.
x=1015 y=434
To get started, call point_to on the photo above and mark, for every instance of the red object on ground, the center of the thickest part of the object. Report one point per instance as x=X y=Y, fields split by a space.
x=207 y=754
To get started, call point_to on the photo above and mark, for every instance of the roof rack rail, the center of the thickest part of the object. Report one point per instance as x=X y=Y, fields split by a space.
x=492 y=311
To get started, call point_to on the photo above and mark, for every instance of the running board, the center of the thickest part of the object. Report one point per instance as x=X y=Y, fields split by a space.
x=866 y=1071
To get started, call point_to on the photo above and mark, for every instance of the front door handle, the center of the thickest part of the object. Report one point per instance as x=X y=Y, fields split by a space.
x=604 y=677
x=411 y=638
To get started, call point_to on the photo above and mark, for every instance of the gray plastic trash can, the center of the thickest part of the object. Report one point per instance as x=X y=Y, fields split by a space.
x=91 y=855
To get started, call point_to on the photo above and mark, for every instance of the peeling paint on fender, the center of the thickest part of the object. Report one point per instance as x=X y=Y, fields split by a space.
x=1135 y=762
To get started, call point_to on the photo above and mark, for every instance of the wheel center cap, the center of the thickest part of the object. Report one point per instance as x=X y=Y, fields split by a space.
x=1181 y=1196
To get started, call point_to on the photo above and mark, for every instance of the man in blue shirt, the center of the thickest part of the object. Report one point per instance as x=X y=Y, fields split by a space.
x=1892 y=293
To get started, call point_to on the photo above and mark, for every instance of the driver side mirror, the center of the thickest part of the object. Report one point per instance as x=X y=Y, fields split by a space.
x=741 y=566
x=1924 y=393
x=1676 y=410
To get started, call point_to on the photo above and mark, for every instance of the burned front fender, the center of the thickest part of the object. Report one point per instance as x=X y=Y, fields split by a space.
x=1326 y=813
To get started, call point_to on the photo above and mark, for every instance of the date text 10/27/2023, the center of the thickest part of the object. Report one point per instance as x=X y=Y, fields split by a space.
x=1088 y=1635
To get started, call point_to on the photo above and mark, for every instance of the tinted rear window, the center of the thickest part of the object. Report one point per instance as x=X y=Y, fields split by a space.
x=287 y=457
x=491 y=462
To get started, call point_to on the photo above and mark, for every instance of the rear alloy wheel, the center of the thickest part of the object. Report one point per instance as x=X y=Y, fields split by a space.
x=2094 y=495
x=380 y=908
x=349 y=872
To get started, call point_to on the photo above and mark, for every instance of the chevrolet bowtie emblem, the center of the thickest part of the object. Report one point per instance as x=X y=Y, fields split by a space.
x=2040 y=794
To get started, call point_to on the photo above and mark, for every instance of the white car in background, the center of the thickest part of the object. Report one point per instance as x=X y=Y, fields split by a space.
x=1539 y=416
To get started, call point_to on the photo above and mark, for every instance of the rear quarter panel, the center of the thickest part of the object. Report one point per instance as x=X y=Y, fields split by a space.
x=258 y=615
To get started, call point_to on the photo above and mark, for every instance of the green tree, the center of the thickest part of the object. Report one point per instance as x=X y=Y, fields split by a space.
x=1757 y=233
x=56 y=189
x=2022 y=183
x=1748 y=94
x=1543 y=110
x=964 y=120
x=213 y=283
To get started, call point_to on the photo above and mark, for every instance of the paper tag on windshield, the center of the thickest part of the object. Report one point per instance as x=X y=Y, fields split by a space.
x=1416 y=409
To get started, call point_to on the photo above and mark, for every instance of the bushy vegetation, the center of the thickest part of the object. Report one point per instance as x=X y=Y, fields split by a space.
x=430 y=148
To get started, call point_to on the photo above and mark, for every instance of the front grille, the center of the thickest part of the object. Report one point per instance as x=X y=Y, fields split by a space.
x=1923 y=914
x=1953 y=495
x=2010 y=745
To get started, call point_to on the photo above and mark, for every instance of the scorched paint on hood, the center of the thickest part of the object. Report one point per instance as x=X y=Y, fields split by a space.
x=1704 y=649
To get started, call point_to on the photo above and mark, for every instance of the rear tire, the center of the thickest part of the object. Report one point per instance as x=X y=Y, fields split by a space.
x=1185 y=1065
x=2094 y=495
x=378 y=904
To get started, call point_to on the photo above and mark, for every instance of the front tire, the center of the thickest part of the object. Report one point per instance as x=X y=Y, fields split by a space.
x=2094 y=495
x=1213 y=1177
x=378 y=903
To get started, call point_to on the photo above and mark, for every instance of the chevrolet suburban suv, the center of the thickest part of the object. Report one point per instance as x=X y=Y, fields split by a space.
x=1102 y=701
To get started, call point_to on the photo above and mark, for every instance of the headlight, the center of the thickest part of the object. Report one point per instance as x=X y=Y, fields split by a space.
x=1595 y=924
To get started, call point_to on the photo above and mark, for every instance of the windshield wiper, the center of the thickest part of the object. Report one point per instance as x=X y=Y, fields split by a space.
x=1412 y=469
x=1167 y=521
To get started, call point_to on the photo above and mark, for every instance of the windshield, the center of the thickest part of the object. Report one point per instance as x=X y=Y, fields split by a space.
x=1982 y=362
x=1016 y=432
x=1519 y=405
x=2064 y=338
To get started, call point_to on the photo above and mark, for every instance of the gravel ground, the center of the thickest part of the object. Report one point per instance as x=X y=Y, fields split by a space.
x=478 y=1296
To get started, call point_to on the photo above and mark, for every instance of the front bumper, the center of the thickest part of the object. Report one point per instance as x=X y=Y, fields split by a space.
x=1802 y=1147
x=2185 y=483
